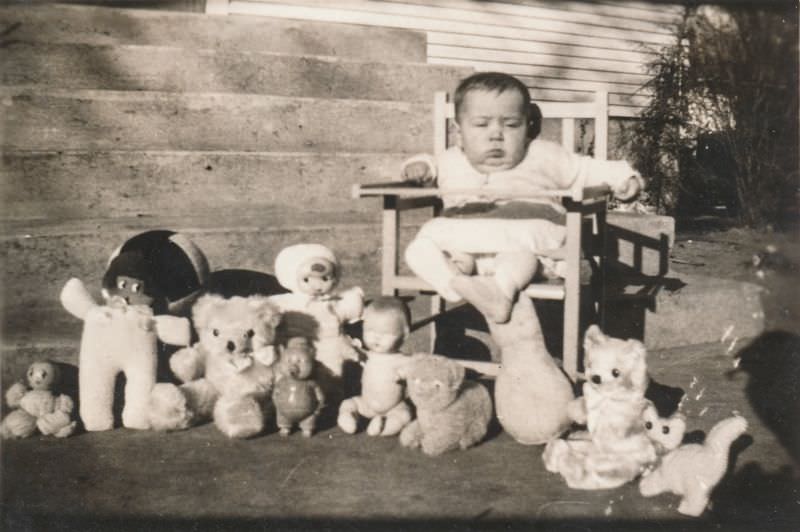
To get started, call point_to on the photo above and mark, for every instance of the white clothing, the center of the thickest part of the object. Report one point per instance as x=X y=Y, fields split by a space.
x=546 y=165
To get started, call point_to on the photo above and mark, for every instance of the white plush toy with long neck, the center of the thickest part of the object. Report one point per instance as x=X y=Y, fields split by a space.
x=118 y=337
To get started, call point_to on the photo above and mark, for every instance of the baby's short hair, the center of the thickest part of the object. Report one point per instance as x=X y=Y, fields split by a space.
x=492 y=82
x=391 y=304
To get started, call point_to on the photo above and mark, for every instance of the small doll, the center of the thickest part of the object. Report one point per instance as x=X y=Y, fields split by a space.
x=37 y=407
x=297 y=397
x=385 y=326
x=311 y=272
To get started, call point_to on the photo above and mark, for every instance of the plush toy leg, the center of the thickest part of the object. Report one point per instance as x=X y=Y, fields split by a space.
x=375 y=425
x=58 y=424
x=435 y=444
x=239 y=417
x=531 y=392
x=96 y=389
x=411 y=435
x=17 y=424
x=694 y=503
x=140 y=379
x=397 y=418
x=168 y=408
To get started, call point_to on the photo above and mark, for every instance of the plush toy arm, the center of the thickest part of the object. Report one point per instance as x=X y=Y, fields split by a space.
x=265 y=355
x=187 y=364
x=15 y=394
x=173 y=330
x=76 y=299
x=64 y=404
x=320 y=398
x=576 y=410
x=350 y=305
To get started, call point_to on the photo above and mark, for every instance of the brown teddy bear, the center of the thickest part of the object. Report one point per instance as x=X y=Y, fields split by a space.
x=227 y=374
x=451 y=413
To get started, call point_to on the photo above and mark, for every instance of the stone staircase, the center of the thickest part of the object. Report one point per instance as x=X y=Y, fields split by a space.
x=246 y=134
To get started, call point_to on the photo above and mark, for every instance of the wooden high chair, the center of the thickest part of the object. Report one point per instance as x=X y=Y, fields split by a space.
x=581 y=204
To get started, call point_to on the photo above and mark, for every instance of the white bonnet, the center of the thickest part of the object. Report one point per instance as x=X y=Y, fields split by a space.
x=290 y=258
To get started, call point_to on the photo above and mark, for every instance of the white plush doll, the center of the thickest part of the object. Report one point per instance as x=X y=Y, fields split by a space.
x=615 y=448
x=311 y=272
x=118 y=337
x=691 y=470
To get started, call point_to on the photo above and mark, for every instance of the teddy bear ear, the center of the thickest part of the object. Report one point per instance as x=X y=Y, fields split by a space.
x=593 y=337
x=204 y=308
x=638 y=372
x=456 y=374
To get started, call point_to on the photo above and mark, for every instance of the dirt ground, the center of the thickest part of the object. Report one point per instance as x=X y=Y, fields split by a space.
x=770 y=259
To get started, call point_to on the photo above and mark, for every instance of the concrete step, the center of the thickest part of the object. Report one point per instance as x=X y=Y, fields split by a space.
x=39 y=256
x=127 y=120
x=70 y=185
x=684 y=309
x=105 y=26
x=173 y=69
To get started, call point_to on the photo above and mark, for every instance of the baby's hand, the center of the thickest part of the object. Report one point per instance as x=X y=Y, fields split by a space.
x=418 y=172
x=630 y=188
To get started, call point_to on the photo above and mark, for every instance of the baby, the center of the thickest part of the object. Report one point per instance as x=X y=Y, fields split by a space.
x=501 y=239
x=386 y=326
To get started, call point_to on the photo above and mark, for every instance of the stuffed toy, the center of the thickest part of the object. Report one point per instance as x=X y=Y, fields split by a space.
x=665 y=433
x=693 y=470
x=119 y=336
x=531 y=392
x=615 y=448
x=386 y=325
x=451 y=413
x=36 y=406
x=297 y=397
x=227 y=375
x=311 y=273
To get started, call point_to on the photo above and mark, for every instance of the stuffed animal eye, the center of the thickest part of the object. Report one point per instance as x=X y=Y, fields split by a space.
x=648 y=425
x=615 y=373
x=121 y=284
x=305 y=279
x=215 y=332
x=136 y=288
x=326 y=278
x=250 y=333
x=665 y=430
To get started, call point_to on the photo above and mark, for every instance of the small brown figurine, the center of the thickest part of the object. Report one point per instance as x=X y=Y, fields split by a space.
x=297 y=397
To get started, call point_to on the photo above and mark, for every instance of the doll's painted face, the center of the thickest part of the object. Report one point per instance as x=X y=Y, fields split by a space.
x=492 y=129
x=317 y=277
x=42 y=375
x=131 y=290
x=384 y=330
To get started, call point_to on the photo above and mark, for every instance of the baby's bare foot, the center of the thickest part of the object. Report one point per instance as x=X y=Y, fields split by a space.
x=485 y=295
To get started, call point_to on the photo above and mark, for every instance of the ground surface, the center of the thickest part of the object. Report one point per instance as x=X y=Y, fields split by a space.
x=198 y=479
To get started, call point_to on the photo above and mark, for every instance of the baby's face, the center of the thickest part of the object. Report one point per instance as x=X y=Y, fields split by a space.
x=492 y=129
x=383 y=332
